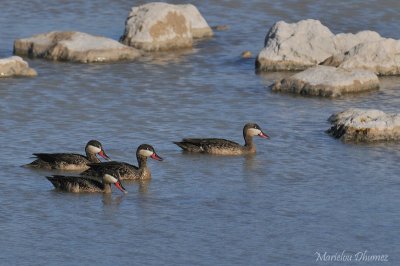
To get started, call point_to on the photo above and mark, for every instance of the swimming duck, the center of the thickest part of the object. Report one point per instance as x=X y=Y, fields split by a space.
x=126 y=171
x=223 y=146
x=78 y=184
x=70 y=161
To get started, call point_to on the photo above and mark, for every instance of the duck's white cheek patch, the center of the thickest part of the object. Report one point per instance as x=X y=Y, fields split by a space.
x=146 y=153
x=93 y=149
x=254 y=131
x=110 y=179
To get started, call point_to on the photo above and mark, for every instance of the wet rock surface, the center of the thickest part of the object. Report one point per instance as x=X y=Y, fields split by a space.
x=15 y=66
x=365 y=125
x=75 y=47
x=328 y=82
x=162 y=26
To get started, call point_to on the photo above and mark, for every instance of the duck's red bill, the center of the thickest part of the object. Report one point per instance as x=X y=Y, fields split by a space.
x=104 y=155
x=120 y=187
x=263 y=135
x=156 y=157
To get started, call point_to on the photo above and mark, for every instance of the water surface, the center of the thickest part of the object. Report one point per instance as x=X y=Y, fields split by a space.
x=304 y=192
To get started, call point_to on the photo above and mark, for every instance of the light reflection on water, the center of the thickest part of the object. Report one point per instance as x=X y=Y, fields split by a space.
x=303 y=192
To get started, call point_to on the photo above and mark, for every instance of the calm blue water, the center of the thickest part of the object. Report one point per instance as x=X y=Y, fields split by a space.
x=304 y=192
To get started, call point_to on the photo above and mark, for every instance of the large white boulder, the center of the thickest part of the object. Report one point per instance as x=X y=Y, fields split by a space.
x=161 y=26
x=74 y=46
x=296 y=46
x=382 y=57
x=328 y=82
x=365 y=125
x=15 y=66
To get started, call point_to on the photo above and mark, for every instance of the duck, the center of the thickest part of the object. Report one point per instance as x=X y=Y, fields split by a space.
x=126 y=170
x=222 y=146
x=70 y=161
x=78 y=184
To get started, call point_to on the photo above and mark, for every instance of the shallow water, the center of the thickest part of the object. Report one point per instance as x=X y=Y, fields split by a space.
x=304 y=192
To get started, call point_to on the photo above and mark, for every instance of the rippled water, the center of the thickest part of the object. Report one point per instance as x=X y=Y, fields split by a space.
x=304 y=192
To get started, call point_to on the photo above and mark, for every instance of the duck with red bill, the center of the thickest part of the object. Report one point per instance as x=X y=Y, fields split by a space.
x=222 y=146
x=126 y=170
x=80 y=184
x=70 y=161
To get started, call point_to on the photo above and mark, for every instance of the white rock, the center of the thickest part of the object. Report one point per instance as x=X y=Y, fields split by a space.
x=15 y=66
x=345 y=41
x=296 y=46
x=161 y=26
x=382 y=57
x=328 y=81
x=365 y=125
x=74 y=46
x=199 y=25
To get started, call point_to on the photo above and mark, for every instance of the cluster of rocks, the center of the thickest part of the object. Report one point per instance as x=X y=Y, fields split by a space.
x=309 y=44
x=298 y=46
x=150 y=27
x=332 y=65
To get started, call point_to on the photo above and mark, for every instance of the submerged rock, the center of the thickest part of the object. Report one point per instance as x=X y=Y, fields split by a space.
x=365 y=125
x=15 y=66
x=298 y=46
x=328 y=82
x=220 y=27
x=162 y=26
x=381 y=57
x=246 y=54
x=74 y=46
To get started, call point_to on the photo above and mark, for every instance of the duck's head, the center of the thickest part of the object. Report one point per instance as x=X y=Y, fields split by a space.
x=146 y=150
x=252 y=129
x=116 y=180
x=95 y=147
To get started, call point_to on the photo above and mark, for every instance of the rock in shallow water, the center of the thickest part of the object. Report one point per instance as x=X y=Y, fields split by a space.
x=297 y=46
x=365 y=125
x=74 y=46
x=15 y=66
x=382 y=57
x=162 y=26
x=246 y=54
x=328 y=82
